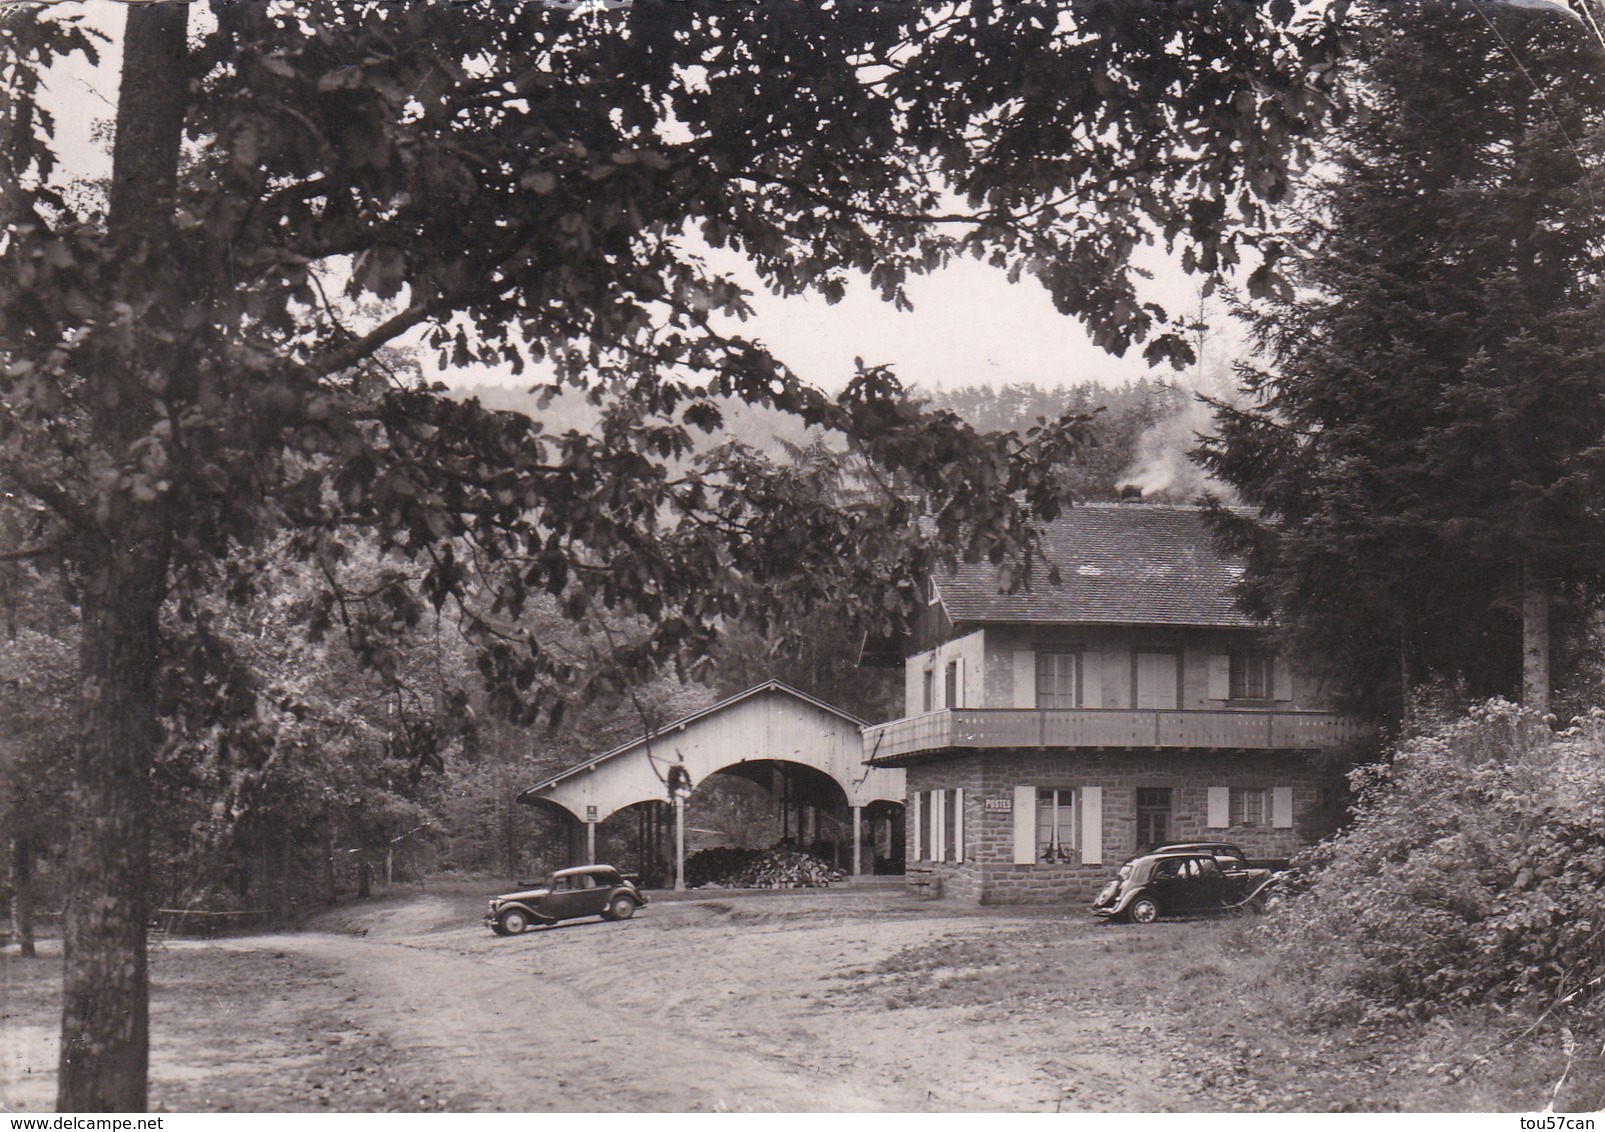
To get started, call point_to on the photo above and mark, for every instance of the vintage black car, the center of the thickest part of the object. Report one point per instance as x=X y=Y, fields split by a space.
x=1229 y=855
x=1184 y=883
x=589 y=890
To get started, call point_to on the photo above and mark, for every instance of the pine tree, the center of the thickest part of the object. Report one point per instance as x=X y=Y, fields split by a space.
x=1424 y=444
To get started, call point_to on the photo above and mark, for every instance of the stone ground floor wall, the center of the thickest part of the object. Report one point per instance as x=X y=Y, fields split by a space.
x=984 y=869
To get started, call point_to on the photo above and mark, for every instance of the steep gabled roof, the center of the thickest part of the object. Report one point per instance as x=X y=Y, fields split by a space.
x=1119 y=564
x=683 y=721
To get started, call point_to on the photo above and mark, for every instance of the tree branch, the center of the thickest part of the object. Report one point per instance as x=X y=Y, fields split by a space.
x=28 y=552
x=57 y=499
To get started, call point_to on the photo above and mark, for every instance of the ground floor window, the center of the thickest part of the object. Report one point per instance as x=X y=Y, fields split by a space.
x=1056 y=824
x=1153 y=816
x=1247 y=805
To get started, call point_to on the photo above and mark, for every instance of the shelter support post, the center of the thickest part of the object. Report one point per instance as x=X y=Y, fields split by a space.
x=858 y=841
x=590 y=843
x=679 y=844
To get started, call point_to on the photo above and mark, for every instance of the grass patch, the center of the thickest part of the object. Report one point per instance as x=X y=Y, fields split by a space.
x=1214 y=985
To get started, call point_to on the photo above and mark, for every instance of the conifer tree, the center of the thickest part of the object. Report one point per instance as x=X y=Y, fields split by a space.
x=1425 y=442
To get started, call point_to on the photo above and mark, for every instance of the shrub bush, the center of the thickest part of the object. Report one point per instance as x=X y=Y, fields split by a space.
x=1474 y=870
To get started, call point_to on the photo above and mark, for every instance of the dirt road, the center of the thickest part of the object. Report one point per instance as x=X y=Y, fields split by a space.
x=782 y=1002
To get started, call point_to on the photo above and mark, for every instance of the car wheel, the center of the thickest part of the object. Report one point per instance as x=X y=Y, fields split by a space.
x=514 y=922
x=1143 y=911
x=622 y=908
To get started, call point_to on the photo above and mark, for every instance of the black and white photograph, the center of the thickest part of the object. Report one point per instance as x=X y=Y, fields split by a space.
x=802 y=556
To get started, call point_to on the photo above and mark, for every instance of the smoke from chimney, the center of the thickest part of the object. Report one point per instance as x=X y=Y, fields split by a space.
x=1161 y=466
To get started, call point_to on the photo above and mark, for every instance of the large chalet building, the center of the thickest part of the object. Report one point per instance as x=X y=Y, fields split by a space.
x=1049 y=734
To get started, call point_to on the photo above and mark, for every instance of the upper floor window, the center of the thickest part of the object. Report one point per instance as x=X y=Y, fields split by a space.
x=1253 y=675
x=1056 y=680
x=928 y=690
x=952 y=684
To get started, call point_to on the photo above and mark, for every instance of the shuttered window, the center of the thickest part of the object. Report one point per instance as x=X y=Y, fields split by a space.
x=1156 y=680
x=1025 y=825
x=1092 y=825
x=1219 y=807
x=1025 y=678
x=1282 y=807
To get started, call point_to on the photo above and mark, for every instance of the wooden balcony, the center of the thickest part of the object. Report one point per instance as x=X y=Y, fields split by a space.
x=1118 y=728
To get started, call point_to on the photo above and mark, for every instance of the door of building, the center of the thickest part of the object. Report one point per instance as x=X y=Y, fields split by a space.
x=1153 y=817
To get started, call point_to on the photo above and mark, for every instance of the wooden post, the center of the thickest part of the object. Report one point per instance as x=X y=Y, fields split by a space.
x=858 y=841
x=679 y=845
x=590 y=843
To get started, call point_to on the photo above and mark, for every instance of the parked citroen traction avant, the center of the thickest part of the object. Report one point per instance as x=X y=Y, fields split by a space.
x=568 y=894
x=1181 y=883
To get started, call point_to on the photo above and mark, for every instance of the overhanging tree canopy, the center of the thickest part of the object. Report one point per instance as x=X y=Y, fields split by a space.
x=180 y=384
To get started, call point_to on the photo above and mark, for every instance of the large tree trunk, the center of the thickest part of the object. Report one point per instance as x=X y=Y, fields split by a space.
x=1535 y=602
x=105 y=1032
x=105 y=1035
x=22 y=892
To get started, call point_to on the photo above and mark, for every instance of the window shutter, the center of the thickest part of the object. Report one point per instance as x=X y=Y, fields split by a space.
x=1092 y=825
x=1220 y=677
x=1284 y=679
x=1092 y=679
x=1282 y=807
x=1220 y=807
x=958 y=686
x=914 y=825
x=1025 y=825
x=958 y=825
x=938 y=826
x=1025 y=678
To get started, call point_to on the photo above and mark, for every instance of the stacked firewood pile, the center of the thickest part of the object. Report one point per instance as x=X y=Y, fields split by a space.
x=757 y=868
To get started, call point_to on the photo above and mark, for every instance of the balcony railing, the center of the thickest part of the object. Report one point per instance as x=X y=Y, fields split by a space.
x=986 y=728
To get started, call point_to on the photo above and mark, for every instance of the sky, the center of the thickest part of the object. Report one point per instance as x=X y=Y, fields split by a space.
x=969 y=326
